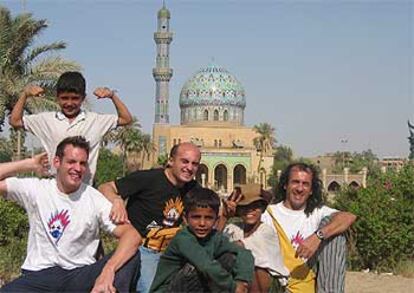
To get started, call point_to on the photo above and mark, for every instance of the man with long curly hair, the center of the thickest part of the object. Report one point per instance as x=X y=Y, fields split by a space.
x=310 y=233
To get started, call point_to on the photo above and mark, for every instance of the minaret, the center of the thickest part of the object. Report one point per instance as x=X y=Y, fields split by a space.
x=162 y=72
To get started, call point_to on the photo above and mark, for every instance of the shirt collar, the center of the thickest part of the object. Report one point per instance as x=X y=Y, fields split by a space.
x=60 y=116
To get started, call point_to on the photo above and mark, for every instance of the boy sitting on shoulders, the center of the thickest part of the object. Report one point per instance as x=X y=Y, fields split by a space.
x=199 y=258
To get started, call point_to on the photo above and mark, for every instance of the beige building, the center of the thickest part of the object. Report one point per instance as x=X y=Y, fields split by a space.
x=212 y=104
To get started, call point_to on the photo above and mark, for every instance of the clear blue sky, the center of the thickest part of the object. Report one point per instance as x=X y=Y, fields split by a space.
x=318 y=71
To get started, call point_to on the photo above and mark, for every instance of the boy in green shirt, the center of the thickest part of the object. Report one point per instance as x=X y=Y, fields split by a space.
x=199 y=258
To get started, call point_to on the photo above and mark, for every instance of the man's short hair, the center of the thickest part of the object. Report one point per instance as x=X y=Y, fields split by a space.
x=71 y=82
x=75 y=141
x=200 y=197
x=316 y=198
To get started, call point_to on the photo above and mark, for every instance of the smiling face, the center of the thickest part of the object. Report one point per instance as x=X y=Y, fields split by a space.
x=251 y=213
x=184 y=164
x=201 y=221
x=298 y=189
x=71 y=168
x=70 y=103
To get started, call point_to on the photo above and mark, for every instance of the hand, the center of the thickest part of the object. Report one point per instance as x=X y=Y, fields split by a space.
x=103 y=92
x=118 y=214
x=308 y=247
x=104 y=283
x=41 y=164
x=34 y=91
x=230 y=204
x=241 y=287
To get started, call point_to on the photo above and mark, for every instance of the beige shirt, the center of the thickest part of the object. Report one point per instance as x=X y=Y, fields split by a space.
x=52 y=127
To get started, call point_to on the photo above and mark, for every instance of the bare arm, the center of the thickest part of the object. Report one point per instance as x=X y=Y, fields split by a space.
x=16 y=115
x=124 y=117
x=118 y=212
x=129 y=241
x=340 y=222
x=38 y=164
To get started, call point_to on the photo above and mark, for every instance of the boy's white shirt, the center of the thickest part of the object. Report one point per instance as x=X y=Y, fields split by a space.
x=52 y=127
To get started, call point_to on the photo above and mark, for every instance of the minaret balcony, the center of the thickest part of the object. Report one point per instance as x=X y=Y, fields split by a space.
x=163 y=37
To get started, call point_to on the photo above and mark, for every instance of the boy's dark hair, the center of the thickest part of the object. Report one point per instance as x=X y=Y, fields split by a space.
x=200 y=197
x=76 y=141
x=71 y=82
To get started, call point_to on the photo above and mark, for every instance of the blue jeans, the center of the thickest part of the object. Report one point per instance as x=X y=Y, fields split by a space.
x=82 y=279
x=149 y=263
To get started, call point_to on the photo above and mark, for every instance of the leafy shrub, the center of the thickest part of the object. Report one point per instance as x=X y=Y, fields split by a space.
x=13 y=238
x=383 y=235
x=109 y=167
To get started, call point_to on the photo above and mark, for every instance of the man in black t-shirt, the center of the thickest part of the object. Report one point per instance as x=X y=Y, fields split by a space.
x=154 y=205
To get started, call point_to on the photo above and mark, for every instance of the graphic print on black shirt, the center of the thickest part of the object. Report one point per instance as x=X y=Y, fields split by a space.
x=154 y=204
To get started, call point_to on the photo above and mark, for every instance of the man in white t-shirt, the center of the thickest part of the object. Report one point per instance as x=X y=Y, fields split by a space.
x=307 y=237
x=65 y=217
x=52 y=127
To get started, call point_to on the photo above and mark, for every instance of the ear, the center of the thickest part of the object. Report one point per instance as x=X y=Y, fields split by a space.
x=56 y=162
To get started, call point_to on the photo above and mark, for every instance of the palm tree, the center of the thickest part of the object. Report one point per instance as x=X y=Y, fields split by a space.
x=127 y=138
x=147 y=147
x=265 y=141
x=21 y=63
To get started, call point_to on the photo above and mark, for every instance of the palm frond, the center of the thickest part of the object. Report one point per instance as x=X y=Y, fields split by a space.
x=36 y=52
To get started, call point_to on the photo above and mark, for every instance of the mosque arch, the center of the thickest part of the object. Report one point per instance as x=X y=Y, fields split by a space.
x=216 y=115
x=334 y=186
x=220 y=177
x=205 y=115
x=202 y=175
x=239 y=174
x=354 y=184
x=225 y=115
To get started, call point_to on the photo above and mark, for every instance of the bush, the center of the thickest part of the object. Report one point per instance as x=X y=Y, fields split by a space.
x=13 y=238
x=109 y=167
x=383 y=235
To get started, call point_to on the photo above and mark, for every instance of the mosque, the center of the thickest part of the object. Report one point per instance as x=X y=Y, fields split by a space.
x=212 y=104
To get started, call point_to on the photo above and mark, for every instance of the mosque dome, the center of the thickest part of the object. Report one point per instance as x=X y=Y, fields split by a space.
x=164 y=13
x=212 y=94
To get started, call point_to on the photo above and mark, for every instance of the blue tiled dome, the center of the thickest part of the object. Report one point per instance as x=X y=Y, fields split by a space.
x=212 y=86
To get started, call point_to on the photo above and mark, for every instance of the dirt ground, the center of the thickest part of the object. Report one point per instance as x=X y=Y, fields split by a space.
x=358 y=282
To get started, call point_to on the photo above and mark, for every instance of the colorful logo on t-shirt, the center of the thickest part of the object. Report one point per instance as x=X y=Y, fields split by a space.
x=57 y=224
x=297 y=240
x=172 y=211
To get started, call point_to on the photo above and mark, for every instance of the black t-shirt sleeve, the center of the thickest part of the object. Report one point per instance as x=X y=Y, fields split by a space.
x=132 y=184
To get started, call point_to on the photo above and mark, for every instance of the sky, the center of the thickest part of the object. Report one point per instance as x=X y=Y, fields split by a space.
x=327 y=75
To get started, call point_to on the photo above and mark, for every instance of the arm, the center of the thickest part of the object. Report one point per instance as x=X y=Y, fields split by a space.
x=129 y=240
x=124 y=117
x=118 y=212
x=211 y=268
x=340 y=222
x=17 y=113
x=38 y=164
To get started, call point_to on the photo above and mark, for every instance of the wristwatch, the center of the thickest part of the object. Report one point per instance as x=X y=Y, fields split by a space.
x=320 y=234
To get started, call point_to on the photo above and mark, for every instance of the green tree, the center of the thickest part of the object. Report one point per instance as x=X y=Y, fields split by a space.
x=265 y=141
x=383 y=235
x=128 y=139
x=5 y=150
x=356 y=162
x=22 y=63
x=109 y=167
x=147 y=147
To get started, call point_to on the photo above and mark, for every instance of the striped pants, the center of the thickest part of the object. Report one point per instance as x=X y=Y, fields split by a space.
x=330 y=264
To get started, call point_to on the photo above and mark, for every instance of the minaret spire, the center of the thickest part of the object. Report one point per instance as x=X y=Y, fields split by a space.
x=162 y=72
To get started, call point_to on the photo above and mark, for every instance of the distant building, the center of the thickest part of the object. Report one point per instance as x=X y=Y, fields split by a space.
x=392 y=163
x=212 y=104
